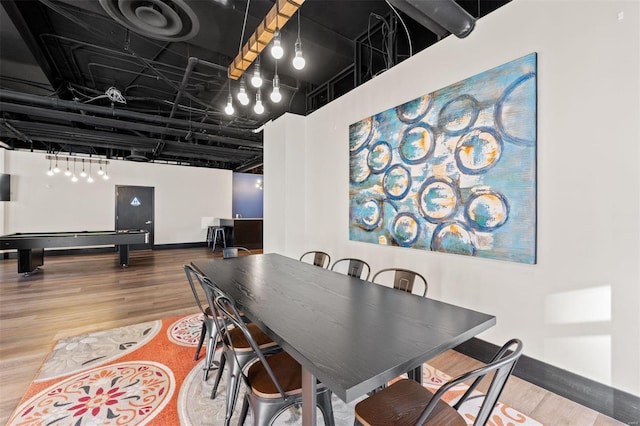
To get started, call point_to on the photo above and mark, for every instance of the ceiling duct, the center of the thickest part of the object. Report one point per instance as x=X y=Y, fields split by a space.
x=437 y=15
x=170 y=20
x=136 y=156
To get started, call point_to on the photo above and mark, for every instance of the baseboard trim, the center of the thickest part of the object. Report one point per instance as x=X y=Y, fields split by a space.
x=614 y=403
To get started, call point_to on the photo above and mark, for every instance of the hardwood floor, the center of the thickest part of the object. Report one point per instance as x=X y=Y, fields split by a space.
x=76 y=294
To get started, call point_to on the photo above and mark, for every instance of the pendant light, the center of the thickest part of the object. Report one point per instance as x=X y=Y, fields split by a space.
x=105 y=176
x=83 y=174
x=50 y=171
x=276 y=48
x=74 y=178
x=67 y=172
x=256 y=80
x=243 y=98
x=275 y=93
x=90 y=178
x=298 y=60
x=56 y=169
x=229 y=108
x=258 y=107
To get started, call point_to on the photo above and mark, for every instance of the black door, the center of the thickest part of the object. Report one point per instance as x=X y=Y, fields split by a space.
x=134 y=210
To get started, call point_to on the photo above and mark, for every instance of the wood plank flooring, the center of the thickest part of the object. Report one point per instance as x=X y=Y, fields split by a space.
x=76 y=294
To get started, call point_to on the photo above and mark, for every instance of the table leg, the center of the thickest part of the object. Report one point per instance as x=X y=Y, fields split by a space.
x=308 y=398
x=123 y=250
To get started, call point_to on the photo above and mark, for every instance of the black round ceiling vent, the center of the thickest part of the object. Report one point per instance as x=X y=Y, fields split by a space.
x=171 y=20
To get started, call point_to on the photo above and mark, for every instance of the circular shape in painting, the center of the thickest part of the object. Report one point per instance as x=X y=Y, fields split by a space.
x=379 y=157
x=453 y=237
x=397 y=182
x=369 y=214
x=438 y=199
x=515 y=113
x=458 y=115
x=405 y=229
x=360 y=134
x=417 y=144
x=478 y=151
x=486 y=210
x=414 y=110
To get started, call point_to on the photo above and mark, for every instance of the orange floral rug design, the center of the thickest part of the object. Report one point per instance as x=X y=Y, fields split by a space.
x=145 y=374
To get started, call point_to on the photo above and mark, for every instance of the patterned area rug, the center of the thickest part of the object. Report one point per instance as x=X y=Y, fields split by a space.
x=145 y=374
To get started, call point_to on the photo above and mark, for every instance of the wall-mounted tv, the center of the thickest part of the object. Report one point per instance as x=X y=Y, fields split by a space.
x=5 y=187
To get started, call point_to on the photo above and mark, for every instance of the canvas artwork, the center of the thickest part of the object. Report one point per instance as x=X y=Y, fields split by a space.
x=452 y=171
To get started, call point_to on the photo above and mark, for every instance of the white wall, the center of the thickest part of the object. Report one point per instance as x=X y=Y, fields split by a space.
x=186 y=198
x=578 y=308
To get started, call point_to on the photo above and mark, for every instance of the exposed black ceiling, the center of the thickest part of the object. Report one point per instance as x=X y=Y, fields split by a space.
x=59 y=58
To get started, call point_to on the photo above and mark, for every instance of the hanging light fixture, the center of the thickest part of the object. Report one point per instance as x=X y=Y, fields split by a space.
x=100 y=171
x=243 y=98
x=83 y=174
x=50 y=171
x=256 y=80
x=105 y=176
x=275 y=93
x=56 y=169
x=298 y=60
x=229 y=108
x=276 y=48
x=258 y=107
x=74 y=178
x=67 y=172
x=90 y=178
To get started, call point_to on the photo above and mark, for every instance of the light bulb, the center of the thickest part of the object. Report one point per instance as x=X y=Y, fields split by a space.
x=105 y=176
x=256 y=80
x=50 y=172
x=298 y=61
x=90 y=179
x=275 y=93
x=276 y=49
x=56 y=169
x=67 y=172
x=242 y=94
x=229 y=108
x=258 y=107
x=74 y=178
x=101 y=172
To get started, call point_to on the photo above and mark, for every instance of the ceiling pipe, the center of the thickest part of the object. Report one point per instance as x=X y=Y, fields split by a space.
x=191 y=63
x=445 y=13
x=115 y=112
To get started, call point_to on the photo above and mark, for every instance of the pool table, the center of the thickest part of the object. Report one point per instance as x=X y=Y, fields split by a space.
x=31 y=246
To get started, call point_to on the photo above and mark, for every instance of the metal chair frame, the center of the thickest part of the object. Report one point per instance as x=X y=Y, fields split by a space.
x=238 y=359
x=502 y=363
x=320 y=258
x=355 y=268
x=404 y=279
x=266 y=409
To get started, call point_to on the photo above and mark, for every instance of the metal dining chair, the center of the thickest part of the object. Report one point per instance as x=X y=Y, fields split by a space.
x=274 y=382
x=208 y=327
x=408 y=403
x=236 y=348
x=317 y=258
x=402 y=279
x=352 y=267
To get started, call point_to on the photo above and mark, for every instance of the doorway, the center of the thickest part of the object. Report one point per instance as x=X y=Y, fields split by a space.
x=135 y=210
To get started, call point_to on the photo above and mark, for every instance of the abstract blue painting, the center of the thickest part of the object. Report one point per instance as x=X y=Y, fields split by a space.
x=452 y=171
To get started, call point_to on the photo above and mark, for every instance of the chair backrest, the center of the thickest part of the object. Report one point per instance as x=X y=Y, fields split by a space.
x=320 y=258
x=403 y=279
x=352 y=267
x=191 y=275
x=227 y=310
x=229 y=252
x=502 y=363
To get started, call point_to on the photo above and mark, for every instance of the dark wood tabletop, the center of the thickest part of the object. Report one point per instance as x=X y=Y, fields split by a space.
x=351 y=334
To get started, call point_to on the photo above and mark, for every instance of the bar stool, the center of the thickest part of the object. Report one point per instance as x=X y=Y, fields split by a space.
x=214 y=233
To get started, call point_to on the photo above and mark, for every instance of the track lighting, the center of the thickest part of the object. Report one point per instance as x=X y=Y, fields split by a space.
x=243 y=98
x=258 y=107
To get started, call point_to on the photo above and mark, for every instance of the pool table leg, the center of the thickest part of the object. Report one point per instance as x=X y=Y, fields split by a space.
x=123 y=249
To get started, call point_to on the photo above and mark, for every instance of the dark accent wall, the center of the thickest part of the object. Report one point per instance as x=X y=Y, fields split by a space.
x=247 y=196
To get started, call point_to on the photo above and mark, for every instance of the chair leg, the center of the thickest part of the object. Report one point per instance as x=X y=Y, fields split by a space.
x=203 y=334
x=244 y=411
x=324 y=402
x=233 y=386
x=213 y=338
x=223 y=360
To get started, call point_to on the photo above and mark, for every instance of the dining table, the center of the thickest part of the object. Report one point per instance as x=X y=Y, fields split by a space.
x=350 y=334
